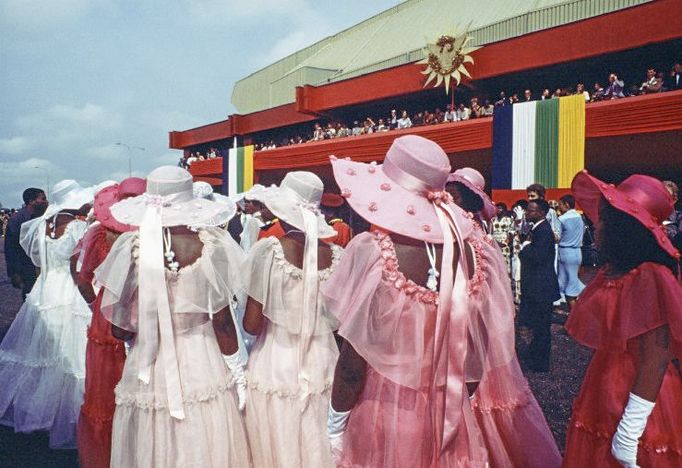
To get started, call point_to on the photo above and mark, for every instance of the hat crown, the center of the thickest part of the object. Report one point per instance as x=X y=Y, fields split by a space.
x=62 y=189
x=131 y=186
x=470 y=174
x=650 y=194
x=306 y=185
x=421 y=158
x=69 y=194
x=169 y=180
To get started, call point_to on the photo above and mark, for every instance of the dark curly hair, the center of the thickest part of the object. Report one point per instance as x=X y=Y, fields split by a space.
x=624 y=243
x=470 y=201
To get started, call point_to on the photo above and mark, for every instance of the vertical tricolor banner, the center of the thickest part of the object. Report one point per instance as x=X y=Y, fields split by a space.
x=539 y=141
x=240 y=169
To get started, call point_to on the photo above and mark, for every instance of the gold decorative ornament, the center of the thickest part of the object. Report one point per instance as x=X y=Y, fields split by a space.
x=446 y=58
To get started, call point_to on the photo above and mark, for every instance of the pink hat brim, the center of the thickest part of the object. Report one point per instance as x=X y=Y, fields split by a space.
x=588 y=191
x=384 y=203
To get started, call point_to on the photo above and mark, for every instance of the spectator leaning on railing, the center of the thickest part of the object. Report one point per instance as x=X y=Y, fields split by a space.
x=655 y=82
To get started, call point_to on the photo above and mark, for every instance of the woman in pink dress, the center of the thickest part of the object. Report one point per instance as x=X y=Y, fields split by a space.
x=104 y=354
x=513 y=425
x=415 y=347
x=629 y=410
x=292 y=363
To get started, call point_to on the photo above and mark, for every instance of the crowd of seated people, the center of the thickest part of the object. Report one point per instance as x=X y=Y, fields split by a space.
x=477 y=107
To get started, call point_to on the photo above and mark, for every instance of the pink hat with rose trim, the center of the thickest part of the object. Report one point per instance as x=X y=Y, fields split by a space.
x=399 y=194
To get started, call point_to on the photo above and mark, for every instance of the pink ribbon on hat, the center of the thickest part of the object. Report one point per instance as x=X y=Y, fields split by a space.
x=450 y=344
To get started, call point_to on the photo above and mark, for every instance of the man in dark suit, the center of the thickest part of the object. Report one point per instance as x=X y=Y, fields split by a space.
x=539 y=284
x=674 y=81
x=20 y=269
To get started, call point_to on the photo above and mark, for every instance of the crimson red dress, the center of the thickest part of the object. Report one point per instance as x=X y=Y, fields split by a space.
x=608 y=317
x=274 y=230
x=104 y=360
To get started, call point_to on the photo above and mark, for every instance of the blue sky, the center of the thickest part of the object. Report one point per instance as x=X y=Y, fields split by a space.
x=76 y=76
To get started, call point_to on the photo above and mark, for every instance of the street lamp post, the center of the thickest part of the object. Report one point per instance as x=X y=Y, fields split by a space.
x=130 y=155
x=47 y=179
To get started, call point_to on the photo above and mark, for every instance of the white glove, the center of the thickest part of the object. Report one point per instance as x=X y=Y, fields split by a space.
x=630 y=429
x=336 y=427
x=518 y=212
x=236 y=366
x=126 y=347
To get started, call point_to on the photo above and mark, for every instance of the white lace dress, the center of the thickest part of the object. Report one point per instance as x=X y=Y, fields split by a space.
x=42 y=357
x=212 y=433
x=289 y=380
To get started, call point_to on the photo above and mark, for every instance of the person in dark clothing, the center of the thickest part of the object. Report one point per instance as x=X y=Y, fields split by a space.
x=235 y=226
x=539 y=284
x=20 y=269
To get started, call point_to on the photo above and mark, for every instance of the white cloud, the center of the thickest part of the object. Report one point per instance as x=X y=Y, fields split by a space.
x=15 y=145
x=66 y=116
x=41 y=15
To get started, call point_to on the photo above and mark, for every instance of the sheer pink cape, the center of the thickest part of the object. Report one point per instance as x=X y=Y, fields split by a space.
x=390 y=322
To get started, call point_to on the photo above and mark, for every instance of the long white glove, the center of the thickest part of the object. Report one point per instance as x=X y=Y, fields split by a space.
x=336 y=427
x=236 y=366
x=630 y=429
x=518 y=212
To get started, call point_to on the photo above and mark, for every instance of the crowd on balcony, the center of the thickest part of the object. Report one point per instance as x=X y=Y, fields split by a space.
x=654 y=81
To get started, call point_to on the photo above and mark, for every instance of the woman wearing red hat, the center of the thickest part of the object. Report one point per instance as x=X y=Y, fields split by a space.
x=104 y=354
x=330 y=205
x=629 y=411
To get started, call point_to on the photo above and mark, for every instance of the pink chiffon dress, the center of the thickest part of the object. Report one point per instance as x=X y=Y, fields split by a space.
x=144 y=433
x=513 y=425
x=289 y=375
x=291 y=367
x=390 y=321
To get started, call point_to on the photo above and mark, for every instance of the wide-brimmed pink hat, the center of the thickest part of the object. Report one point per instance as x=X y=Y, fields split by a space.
x=399 y=194
x=643 y=197
x=474 y=181
x=105 y=198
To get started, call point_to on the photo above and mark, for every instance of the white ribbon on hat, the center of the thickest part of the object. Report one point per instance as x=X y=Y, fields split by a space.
x=155 y=326
x=309 y=309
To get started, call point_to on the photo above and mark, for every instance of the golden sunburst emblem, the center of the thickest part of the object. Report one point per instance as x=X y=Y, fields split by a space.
x=446 y=58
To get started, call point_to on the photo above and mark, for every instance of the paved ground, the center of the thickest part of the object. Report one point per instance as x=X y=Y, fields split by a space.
x=554 y=391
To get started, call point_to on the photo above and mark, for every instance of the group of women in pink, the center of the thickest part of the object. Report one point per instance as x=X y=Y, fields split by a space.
x=395 y=352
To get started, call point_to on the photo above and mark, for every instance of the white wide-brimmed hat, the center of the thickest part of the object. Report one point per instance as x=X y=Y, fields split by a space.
x=170 y=189
x=299 y=191
x=68 y=195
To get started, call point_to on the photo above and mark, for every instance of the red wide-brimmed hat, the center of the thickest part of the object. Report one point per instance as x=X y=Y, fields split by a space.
x=474 y=181
x=643 y=197
x=105 y=198
x=331 y=200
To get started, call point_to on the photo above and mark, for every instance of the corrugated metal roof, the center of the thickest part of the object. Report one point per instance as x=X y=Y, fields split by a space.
x=398 y=35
